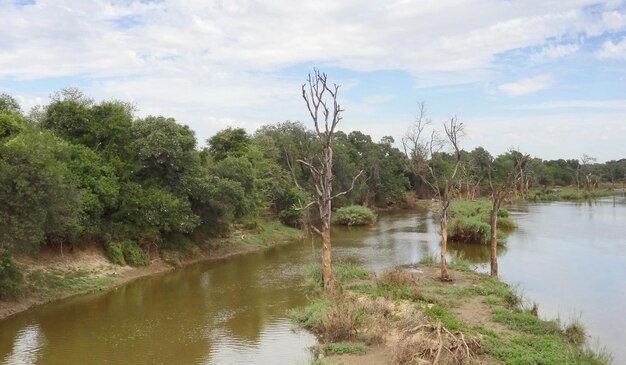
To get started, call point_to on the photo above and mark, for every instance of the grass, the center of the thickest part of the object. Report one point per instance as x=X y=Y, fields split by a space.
x=268 y=232
x=46 y=282
x=469 y=221
x=344 y=271
x=567 y=194
x=340 y=348
x=401 y=300
x=525 y=322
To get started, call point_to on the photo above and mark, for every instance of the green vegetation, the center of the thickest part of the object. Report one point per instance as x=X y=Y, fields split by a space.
x=340 y=348
x=567 y=194
x=413 y=313
x=10 y=277
x=354 y=215
x=49 y=282
x=469 y=221
x=126 y=253
x=344 y=271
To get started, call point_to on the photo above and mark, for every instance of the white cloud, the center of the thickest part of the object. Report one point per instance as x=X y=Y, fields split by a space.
x=610 y=50
x=618 y=104
x=527 y=85
x=553 y=52
x=552 y=136
x=211 y=62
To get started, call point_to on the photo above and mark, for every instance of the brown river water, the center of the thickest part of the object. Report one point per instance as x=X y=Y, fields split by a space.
x=570 y=258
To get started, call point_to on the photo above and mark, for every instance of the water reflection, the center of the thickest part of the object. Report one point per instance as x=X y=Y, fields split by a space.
x=233 y=311
x=26 y=346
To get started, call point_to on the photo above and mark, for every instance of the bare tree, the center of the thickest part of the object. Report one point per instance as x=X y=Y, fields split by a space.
x=503 y=174
x=325 y=118
x=586 y=163
x=442 y=181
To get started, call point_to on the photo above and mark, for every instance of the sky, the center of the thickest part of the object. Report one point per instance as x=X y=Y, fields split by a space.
x=547 y=77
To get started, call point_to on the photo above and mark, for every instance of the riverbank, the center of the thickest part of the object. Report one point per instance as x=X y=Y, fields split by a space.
x=408 y=316
x=54 y=276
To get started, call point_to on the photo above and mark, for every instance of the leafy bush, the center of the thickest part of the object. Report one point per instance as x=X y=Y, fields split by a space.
x=10 y=277
x=469 y=221
x=115 y=253
x=354 y=215
x=133 y=255
x=126 y=253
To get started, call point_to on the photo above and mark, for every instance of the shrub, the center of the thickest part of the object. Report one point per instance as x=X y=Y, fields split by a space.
x=133 y=255
x=126 y=253
x=354 y=215
x=114 y=251
x=10 y=277
x=469 y=221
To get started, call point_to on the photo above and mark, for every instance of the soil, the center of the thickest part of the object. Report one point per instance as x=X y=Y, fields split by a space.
x=471 y=310
x=94 y=262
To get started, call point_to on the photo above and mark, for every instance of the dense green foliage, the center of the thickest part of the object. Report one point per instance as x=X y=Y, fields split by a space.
x=10 y=277
x=79 y=172
x=469 y=221
x=354 y=215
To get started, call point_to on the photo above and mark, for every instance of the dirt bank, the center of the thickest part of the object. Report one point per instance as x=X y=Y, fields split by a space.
x=53 y=276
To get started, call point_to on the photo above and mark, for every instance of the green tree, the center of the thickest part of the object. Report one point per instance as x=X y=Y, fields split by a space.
x=230 y=142
x=39 y=193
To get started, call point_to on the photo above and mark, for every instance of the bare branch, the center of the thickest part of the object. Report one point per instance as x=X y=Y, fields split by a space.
x=351 y=186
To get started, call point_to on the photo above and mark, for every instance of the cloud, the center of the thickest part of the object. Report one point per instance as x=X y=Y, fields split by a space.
x=527 y=85
x=610 y=50
x=553 y=52
x=617 y=104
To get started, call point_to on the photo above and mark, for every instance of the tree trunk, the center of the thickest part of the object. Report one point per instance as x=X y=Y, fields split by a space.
x=493 y=221
x=327 y=273
x=444 y=245
x=325 y=213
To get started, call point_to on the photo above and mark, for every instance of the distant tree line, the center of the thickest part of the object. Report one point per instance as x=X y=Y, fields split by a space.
x=77 y=172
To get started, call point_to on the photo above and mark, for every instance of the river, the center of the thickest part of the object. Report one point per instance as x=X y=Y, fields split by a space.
x=568 y=257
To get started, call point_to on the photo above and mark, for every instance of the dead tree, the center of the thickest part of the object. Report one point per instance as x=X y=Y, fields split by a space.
x=503 y=176
x=586 y=163
x=442 y=182
x=325 y=118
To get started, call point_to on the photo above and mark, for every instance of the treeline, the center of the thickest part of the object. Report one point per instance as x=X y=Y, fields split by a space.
x=77 y=172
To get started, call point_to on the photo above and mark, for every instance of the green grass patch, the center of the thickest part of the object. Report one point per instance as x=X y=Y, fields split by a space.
x=50 y=281
x=469 y=221
x=344 y=271
x=437 y=312
x=340 y=348
x=311 y=316
x=566 y=194
x=525 y=322
x=268 y=232
x=539 y=350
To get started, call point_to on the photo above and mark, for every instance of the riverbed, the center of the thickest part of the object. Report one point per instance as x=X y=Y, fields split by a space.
x=570 y=258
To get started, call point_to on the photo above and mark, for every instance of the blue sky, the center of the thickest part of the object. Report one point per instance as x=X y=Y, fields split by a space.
x=546 y=77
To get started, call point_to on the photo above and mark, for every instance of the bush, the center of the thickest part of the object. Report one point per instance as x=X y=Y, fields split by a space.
x=469 y=222
x=126 y=253
x=10 y=277
x=114 y=251
x=354 y=215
